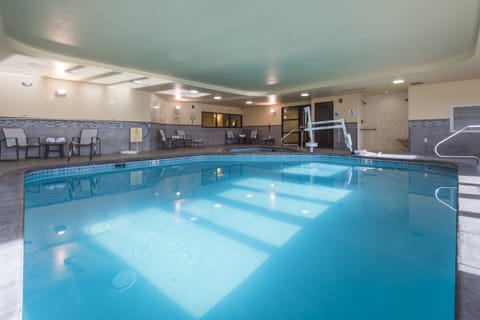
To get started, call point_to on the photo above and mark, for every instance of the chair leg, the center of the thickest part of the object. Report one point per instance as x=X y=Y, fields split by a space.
x=18 y=153
x=70 y=151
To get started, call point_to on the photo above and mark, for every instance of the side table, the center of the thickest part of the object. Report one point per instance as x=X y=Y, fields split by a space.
x=54 y=147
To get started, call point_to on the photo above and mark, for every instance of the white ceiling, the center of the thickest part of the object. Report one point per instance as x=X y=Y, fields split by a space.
x=250 y=49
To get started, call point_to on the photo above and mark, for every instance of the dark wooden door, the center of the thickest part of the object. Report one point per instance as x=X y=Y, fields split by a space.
x=324 y=111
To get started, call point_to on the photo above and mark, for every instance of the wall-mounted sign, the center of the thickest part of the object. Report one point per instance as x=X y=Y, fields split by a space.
x=135 y=134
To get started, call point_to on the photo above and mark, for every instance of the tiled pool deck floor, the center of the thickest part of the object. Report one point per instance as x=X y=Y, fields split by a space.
x=11 y=225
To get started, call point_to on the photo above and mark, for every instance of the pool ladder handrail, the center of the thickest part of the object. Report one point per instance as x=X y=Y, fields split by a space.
x=441 y=201
x=450 y=137
x=293 y=144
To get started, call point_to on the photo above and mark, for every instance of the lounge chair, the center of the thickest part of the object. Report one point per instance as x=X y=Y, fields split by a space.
x=88 y=138
x=253 y=138
x=183 y=139
x=16 y=138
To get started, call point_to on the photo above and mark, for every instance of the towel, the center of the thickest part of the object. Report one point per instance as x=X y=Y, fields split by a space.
x=60 y=140
x=50 y=140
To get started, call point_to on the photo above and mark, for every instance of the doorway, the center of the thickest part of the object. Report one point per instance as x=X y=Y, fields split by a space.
x=324 y=111
x=292 y=118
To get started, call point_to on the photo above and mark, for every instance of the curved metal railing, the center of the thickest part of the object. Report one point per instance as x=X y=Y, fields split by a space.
x=293 y=144
x=437 y=191
x=450 y=137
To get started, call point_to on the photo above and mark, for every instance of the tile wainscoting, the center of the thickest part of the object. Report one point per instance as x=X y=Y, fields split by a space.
x=425 y=134
x=115 y=134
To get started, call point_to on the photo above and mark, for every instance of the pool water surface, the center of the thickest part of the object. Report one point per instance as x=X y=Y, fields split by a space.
x=231 y=240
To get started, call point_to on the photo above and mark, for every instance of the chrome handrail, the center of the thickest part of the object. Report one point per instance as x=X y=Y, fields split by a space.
x=293 y=144
x=451 y=136
x=441 y=201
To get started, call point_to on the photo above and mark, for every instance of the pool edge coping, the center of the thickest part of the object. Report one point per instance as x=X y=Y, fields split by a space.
x=460 y=293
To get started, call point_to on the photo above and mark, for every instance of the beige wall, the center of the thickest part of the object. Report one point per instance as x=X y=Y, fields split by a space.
x=83 y=101
x=432 y=101
x=342 y=105
x=262 y=115
x=164 y=111
x=387 y=114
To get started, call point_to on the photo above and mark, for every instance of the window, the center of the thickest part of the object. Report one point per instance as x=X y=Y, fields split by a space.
x=221 y=120
x=462 y=116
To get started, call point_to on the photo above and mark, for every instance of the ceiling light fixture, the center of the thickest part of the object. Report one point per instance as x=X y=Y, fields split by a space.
x=304 y=94
x=193 y=91
x=178 y=107
x=398 y=81
x=248 y=102
x=272 y=99
x=61 y=93
x=136 y=81
x=217 y=98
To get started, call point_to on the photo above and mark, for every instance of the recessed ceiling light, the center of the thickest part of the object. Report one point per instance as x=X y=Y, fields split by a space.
x=193 y=91
x=178 y=107
x=386 y=91
x=217 y=98
x=398 y=81
x=248 y=102
x=136 y=81
x=304 y=94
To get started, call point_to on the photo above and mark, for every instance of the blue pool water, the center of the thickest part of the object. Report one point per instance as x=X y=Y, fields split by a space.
x=250 y=240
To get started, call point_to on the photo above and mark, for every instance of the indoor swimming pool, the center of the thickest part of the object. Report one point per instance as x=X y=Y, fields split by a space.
x=241 y=237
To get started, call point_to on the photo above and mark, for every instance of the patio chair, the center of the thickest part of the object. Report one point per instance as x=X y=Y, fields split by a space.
x=184 y=140
x=229 y=137
x=253 y=138
x=16 y=138
x=165 y=142
x=88 y=138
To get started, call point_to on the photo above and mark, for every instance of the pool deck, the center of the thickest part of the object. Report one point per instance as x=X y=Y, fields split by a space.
x=11 y=223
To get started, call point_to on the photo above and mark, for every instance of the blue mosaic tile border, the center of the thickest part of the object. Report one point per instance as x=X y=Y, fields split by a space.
x=434 y=123
x=343 y=160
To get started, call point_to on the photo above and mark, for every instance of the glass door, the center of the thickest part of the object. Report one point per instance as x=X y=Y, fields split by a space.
x=292 y=118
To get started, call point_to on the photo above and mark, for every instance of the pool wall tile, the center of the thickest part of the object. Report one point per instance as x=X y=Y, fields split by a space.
x=343 y=160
